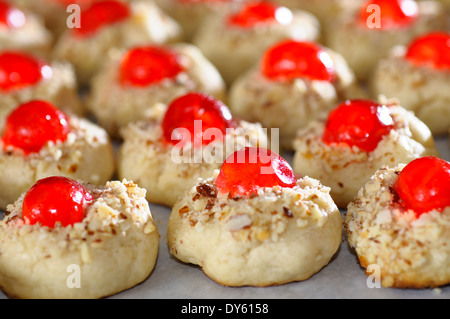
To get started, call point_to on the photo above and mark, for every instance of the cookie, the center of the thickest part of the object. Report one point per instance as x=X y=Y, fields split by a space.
x=134 y=83
x=358 y=138
x=248 y=32
x=39 y=140
x=109 y=242
x=170 y=165
x=54 y=14
x=295 y=82
x=417 y=75
x=379 y=25
x=23 y=31
x=326 y=11
x=399 y=223
x=28 y=77
x=254 y=224
x=112 y=24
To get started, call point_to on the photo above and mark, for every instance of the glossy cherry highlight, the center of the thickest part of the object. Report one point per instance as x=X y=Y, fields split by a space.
x=32 y=125
x=360 y=123
x=101 y=14
x=389 y=13
x=145 y=66
x=291 y=59
x=19 y=70
x=431 y=50
x=191 y=117
x=424 y=185
x=10 y=16
x=55 y=200
x=247 y=170
x=256 y=13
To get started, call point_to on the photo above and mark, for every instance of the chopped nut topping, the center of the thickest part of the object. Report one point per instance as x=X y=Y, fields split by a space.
x=207 y=190
x=260 y=217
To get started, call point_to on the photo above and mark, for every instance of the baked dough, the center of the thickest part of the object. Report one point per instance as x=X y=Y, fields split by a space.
x=325 y=10
x=290 y=105
x=114 y=106
x=363 y=47
x=345 y=170
x=167 y=174
x=32 y=37
x=87 y=154
x=58 y=87
x=420 y=89
x=114 y=248
x=191 y=14
x=146 y=24
x=279 y=236
x=410 y=252
x=216 y=40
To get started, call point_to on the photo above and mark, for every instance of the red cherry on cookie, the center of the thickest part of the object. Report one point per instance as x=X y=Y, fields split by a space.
x=144 y=66
x=55 y=200
x=10 y=16
x=430 y=50
x=294 y=59
x=255 y=13
x=100 y=14
x=424 y=185
x=361 y=123
x=247 y=170
x=32 y=125
x=389 y=13
x=18 y=70
x=189 y=117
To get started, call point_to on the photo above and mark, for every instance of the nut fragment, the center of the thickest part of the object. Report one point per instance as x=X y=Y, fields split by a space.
x=238 y=222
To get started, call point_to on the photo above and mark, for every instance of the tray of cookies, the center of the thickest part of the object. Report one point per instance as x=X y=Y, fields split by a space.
x=232 y=149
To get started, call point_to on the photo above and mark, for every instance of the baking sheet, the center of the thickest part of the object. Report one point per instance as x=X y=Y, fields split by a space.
x=342 y=278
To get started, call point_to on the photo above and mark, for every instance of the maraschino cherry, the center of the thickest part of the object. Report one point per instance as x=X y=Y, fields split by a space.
x=257 y=13
x=431 y=50
x=148 y=65
x=32 y=125
x=19 y=70
x=10 y=16
x=247 y=170
x=100 y=14
x=189 y=116
x=393 y=13
x=292 y=59
x=424 y=185
x=55 y=200
x=361 y=123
